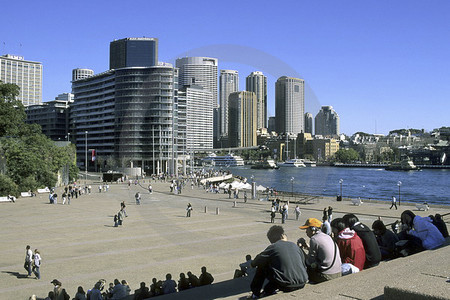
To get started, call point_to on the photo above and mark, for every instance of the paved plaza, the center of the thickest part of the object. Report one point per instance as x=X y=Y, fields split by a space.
x=79 y=244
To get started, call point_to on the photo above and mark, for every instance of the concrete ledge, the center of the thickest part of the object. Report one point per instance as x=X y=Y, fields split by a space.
x=397 y=293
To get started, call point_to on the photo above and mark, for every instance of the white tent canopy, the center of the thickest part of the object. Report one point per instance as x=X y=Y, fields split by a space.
x=246 y=186
x=260 y=188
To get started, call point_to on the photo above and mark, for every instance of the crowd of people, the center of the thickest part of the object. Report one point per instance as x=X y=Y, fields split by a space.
x=120 y=289
x=347 y=247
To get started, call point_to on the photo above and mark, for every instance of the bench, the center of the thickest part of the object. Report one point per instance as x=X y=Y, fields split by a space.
x=357 y=202
x=42 y=191
x=26 y=194
x=424 y=206
x=8 y=199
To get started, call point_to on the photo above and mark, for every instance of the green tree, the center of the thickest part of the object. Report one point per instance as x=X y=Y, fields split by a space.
x=12 y=112
x=31 y=159
x=346 y=155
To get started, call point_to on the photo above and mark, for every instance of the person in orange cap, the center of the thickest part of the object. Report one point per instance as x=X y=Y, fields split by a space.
x=323 y=260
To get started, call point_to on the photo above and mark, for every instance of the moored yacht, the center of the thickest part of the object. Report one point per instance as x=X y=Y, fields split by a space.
x=296 y=162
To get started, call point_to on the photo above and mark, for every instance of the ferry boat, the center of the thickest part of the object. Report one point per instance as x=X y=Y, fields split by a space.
x=228 y=160
x=296 y=162
x=267 y=164
x=404 y=165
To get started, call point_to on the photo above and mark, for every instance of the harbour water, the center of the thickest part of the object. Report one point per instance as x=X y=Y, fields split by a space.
x=431 y=186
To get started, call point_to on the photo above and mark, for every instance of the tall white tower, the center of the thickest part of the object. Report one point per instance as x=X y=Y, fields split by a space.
x=201 y=71
x=289 y=105
x=229 y=83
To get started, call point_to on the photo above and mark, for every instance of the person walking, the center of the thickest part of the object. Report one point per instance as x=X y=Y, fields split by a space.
x=297 y=212
x=122 y=208
x=37 y=264
x=188 y=210
x=28 y=259
x=138 y=198
x=272 y=214
x=393 y=202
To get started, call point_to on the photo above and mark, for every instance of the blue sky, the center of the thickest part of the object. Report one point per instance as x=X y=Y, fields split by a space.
x=382 y=65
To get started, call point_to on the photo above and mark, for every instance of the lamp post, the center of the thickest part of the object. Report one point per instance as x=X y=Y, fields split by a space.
x=85 y=155
x=399 y=185
x=68 y=136
x=292 y=186
x=340 y=183
x=253 y=187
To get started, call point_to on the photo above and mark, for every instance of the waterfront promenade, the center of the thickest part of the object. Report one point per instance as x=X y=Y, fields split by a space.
x=79 y=244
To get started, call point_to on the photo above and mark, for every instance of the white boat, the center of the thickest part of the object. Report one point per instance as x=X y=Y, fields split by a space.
x=228 y=160
x=298 y=163
x=309 y=163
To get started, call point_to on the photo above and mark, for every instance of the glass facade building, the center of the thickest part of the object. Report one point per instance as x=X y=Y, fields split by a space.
x=133 y=52
x=130 y=116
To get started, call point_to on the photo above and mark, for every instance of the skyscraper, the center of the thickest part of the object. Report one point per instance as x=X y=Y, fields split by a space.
x=242 y=119
x=327 y=122
x=26 y=74
x=199 y=117
x=201 y=71
x=256 y=82
x=133 y=52
x=289 y=105
x=308 y=123
x=129 y=114
x=229 y=83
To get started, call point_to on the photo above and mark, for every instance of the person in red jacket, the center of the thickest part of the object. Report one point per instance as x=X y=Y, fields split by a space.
x=349 y=243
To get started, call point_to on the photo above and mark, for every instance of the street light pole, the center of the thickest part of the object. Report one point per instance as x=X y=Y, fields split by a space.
x=292 y=186
x=85 y=156
x=399 y=185
x=253 y=187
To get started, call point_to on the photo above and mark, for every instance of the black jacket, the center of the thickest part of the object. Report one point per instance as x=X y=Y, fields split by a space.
x=373 y=254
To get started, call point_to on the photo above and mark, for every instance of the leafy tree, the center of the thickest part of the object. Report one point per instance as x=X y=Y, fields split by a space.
x=346 y=155
x=12 y=112
x=32 y=159
x=7 y=186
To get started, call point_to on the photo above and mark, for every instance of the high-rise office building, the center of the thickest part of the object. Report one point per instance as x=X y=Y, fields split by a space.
x=80 y=73
x=229 y=83
x=326 y=122
x=201 y=71
x=242 y=119
x=308 y=123
x=129 y=114
x=289 y=105
x=199 y=117
x=26 y=74
x=53 y=116
x=133 y=52
x=256 y=82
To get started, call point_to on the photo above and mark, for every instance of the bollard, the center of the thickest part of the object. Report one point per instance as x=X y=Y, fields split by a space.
x=217 y=210
x=234 y=204
x=206 y=210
